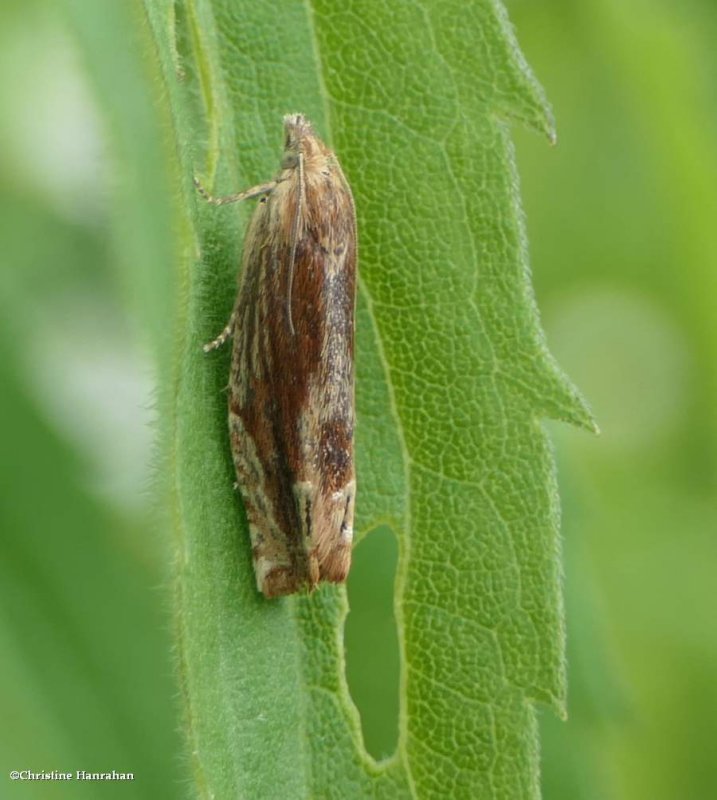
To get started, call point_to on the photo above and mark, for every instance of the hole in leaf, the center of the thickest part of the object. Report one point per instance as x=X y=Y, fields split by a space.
x=371 y=641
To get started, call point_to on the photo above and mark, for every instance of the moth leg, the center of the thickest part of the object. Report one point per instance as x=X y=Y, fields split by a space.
x=223 y=336
x=255 y=191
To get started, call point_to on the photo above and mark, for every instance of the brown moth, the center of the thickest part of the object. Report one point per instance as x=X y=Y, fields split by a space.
x=291 y=390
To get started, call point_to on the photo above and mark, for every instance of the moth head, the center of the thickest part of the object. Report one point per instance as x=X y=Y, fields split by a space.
x=298 y=133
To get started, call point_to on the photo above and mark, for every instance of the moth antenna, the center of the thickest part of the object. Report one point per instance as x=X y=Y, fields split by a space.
x=294 y=238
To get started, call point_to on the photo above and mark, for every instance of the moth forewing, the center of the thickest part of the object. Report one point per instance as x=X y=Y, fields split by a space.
x=291 y=389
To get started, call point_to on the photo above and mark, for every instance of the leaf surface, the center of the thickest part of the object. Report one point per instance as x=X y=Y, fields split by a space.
x=453 y=378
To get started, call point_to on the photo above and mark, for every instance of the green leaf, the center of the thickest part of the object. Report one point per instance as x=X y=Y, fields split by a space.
x=453 y=378
x=81 y=634
x=85 y=674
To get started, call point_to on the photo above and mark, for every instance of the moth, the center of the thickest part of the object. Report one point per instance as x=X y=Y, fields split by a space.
x=291 y=386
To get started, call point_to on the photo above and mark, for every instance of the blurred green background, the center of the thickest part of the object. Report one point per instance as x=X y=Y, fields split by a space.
x=621 y=217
